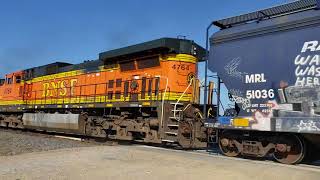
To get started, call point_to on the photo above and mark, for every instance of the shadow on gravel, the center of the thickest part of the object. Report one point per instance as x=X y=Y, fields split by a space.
x=313 y=163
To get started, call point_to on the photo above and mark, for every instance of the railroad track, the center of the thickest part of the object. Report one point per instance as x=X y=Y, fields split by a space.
x=213 y=152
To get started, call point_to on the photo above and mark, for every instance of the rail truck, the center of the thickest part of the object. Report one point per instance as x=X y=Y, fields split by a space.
x=269 y=61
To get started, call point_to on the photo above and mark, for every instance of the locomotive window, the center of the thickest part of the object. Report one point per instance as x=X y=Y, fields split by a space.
x=150 y=87
x=1 y=82
x=110 y=94
x=118 y=94
x=148 y=62
x=51 y=70
x=18 y=79
x=126 y=89
x=110 y=64
x=9 y=81
x=29 y=74
x=118 y=82
x=20 y=92
x=156 y=92
x=110 y=84
x=143 y=88
x=127 y=66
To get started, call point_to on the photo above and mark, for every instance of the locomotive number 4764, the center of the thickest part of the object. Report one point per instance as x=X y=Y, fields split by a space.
x=180 y=67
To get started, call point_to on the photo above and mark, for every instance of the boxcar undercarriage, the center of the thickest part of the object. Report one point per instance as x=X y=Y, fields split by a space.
x=287 y=148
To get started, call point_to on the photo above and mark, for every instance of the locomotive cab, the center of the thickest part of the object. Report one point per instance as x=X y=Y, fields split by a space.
x=11 y=89
x=2 y=81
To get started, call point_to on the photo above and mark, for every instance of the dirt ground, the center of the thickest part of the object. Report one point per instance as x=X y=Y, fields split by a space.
x=29 y=155
x=140 y=162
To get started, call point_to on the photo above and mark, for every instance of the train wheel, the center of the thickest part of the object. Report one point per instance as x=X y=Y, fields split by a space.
x=227 y=147
x=290 y=150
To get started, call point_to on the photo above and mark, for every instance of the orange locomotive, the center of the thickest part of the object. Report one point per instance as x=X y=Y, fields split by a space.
x=146 y=92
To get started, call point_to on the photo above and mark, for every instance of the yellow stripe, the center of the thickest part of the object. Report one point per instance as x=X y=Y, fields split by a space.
x=146 y=103
x=98 y=99
x=103 y=99
x=179 y=57
x=241 y=122
x=13 y=102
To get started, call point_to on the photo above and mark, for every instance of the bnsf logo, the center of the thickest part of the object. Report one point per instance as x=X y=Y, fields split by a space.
x=59 y=88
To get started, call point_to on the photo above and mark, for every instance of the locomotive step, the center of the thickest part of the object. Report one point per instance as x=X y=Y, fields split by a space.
x=176 y=103
x=167 y=140
x=112 y=136
x=173 y=125
x=172 y=133
x=175 y=110
x=175 y=118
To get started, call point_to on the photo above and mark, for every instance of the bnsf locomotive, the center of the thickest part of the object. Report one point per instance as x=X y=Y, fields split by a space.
x=147 y=92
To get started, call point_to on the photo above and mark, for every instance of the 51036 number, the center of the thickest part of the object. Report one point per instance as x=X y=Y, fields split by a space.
x=260 y=94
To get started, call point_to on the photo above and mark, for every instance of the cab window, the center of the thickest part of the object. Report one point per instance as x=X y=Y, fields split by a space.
x=9 y=80
x=18 y=79
x=2 y=82
x=127 y=66
x=110 y=64
x=118 y=82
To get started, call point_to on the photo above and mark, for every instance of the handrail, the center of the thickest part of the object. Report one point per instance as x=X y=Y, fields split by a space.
x=98 y=97
x=175 y=105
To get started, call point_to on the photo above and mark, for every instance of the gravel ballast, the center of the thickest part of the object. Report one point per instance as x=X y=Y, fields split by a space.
x=14 y=142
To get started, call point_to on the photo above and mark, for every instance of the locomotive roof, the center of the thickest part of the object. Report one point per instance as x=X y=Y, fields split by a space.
x=57 y=67
x=55 y=64
x=163 y=45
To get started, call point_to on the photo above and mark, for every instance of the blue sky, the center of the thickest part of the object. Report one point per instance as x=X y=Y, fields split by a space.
x=37 y=32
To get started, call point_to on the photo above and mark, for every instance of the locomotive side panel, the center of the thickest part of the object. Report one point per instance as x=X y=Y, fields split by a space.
x=108 y=85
